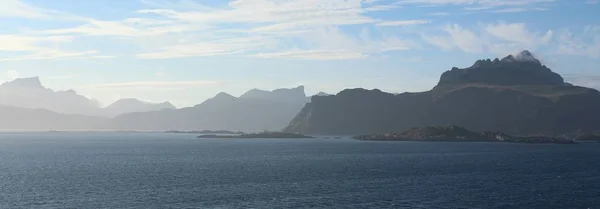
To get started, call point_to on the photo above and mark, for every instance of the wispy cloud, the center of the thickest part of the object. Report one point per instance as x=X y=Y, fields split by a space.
x=517 y=9
x=314 y=54
x=476 y=6
x=586 y=43
x=457 y=37
x=224 y=46
x=292 y=29
x=518 y=33
x=475 y=3
x=403 y=22
x=39 y=48
x=17 y=8
x=495 y=38
x=439 y=13
x=264 y=28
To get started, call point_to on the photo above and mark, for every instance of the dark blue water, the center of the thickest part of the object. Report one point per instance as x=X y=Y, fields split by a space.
x=61 y=170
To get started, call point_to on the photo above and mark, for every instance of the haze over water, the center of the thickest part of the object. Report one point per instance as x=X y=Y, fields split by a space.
x=140 y=170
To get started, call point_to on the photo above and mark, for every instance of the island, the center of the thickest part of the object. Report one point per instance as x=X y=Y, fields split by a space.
x=459 y=134
x=205 y=132
x=263 y=135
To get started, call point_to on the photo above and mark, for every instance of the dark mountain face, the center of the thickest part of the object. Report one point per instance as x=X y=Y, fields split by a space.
x=515 y=95
x=256 y=110
x=521 y=69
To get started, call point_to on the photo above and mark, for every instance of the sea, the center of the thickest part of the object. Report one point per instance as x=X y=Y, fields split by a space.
x=160 y=170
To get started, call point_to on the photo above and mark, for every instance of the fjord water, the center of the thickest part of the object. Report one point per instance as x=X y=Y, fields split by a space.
x=144 y=170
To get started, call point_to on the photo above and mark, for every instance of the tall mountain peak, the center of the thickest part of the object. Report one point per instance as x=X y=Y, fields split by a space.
x=519 y=69
x=523 y=57
x=31 y=82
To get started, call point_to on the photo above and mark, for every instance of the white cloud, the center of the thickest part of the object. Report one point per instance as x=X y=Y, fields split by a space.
x=499 y=38
x=476 y=3
x=403 y=22
x=518 y=33
x=333 y=44
x=38 y=48
x=22 y=9
x=17 y=8
x=439 y=13
x=264 y=28
x=212 y=48
x=586 y=43
x=475 y=6
x=133 y=27
x=315 y=54
x=517 y=9
x=9 y=75
x=457 y=37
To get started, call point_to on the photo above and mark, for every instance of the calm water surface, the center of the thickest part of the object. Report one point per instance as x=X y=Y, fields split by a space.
x=135 y=170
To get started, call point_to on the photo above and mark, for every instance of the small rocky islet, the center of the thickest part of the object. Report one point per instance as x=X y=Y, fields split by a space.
x=459 y=134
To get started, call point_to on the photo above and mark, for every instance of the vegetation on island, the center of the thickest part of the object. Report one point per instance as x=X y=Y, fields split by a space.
x=458 y=134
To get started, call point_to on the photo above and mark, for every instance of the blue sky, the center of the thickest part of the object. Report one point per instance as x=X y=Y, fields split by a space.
x=186 y=51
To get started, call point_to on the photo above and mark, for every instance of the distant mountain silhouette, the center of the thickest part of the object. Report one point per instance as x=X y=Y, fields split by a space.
x=130 y=105
x=516 y=94
x=322 y=94
x=255 y=110
x=29 y=93
x=293 y=95
x=24 y=119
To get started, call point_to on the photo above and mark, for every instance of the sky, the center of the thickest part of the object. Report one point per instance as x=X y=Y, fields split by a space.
x=186 y=51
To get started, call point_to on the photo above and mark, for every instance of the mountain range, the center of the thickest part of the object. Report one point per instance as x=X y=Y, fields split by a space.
x=29 y=93
x=515 y=94
x=26 y=105
x=256 y=110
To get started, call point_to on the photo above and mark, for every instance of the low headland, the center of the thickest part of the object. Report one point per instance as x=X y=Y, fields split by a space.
x=205 y=132
x=588 y=137
x=460 y=134
x=263 y=135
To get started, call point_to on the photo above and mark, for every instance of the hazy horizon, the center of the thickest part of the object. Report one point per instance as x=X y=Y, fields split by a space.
x=186 y=51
